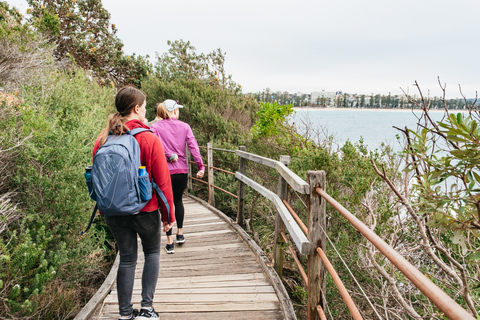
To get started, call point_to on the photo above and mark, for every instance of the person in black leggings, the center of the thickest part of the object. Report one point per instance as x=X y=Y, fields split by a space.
x=179 y=184
x=175 y=135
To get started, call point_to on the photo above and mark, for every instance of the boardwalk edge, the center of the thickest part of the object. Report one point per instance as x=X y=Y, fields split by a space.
x=99 y=296
x=285 y=301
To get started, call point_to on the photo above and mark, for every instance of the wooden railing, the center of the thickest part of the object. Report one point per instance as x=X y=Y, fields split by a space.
x=310 y=239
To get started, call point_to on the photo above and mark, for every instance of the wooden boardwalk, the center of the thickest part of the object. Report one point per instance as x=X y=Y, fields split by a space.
x=219 y=273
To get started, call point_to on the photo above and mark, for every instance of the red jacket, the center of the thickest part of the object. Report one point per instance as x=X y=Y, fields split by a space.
x=152 y=157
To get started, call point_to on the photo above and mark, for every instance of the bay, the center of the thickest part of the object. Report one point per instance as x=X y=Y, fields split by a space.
x=373 y=125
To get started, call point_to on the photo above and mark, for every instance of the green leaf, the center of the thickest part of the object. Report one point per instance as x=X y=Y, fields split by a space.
x=474 y=256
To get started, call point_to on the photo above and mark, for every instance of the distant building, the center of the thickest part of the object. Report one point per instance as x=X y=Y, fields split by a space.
x=324 y=97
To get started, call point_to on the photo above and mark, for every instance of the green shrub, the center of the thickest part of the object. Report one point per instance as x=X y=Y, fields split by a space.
x=63 y=117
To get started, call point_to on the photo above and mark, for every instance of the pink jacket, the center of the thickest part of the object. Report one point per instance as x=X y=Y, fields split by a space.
x=174 y=134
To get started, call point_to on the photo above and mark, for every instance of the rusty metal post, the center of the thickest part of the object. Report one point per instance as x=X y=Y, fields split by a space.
x=282 y=192
x=241 y=190
x=211 y=189
x=316 y=236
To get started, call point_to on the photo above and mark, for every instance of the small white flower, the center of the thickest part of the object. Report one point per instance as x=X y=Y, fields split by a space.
x=16 y=286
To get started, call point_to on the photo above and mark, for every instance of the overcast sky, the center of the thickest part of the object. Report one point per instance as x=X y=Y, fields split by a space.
x=371 y=46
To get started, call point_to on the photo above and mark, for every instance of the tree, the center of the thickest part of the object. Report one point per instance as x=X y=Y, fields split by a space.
x=23 y=52
x=438 y=212
x=82 y=32
x=183 y=62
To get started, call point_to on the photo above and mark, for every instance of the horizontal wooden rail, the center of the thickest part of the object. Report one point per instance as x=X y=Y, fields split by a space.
x=229 y=193
x=436 y=295
x=299 y=238
x=224 y=150
x=225 y=171
x=293 y=180
x=202 y=147
x=343 y=291
x=297 y=261
x=296 y=217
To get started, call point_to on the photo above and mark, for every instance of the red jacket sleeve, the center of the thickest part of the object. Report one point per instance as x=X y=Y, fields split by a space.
x=161 y=176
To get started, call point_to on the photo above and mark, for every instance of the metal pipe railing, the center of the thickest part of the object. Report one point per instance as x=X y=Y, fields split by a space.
x=229 y=193
x=297 y=261
x=446 y=304
x=321 y=313
x=343 y=291
x=221 y=170
x=193 y=178
x=296 y=217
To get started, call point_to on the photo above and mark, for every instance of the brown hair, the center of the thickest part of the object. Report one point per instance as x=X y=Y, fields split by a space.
x=162 y=111
x=126 y=99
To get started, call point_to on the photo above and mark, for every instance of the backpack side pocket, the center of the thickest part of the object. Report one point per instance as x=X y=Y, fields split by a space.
x=145 y=187
x=88 y=180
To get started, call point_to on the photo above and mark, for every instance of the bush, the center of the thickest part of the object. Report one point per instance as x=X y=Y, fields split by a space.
x=45 y=246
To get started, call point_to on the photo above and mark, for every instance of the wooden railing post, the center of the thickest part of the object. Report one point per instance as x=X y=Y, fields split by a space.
x=241 y=190
x=316 y=236
x=190 y=172
x=211 y=189
x=282 y=192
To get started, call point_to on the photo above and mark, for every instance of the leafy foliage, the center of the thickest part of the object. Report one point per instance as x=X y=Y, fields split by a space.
x=23 y=52
x=45 y=247
x=82 y=32
x=183 y=62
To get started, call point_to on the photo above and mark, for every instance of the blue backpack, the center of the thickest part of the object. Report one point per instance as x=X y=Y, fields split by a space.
x=113 y=180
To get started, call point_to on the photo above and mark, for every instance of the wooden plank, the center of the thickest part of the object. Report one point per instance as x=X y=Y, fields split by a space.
x=256 y=158
x=240 y=315
x=297 y=183
x=214 y=275
x=285 y=302
x=219 y=285
x=317 y=224
x=202 y=298
x=229 y=277
x=223 y=290
x=201 y=271
x=299 y=238
x=206 y=307
x=255 y=315
x=294 y=180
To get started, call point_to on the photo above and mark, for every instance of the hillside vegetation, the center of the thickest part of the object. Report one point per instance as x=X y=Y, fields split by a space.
x=53 y=104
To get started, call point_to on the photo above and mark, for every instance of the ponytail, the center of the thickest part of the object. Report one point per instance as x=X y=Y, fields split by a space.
x=115 y=124
x=162 y=111
x=125 y=101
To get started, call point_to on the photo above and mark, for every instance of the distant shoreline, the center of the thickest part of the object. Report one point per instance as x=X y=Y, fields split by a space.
x=369 y=109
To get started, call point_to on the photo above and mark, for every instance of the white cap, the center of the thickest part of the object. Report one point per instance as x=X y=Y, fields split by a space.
x=172 y=105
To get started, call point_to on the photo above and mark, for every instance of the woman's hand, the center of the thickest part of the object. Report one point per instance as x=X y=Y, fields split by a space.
x=167 y=226
x=173 y=157
x=200 y=174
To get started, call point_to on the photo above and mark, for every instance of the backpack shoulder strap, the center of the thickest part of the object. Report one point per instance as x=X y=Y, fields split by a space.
x=138 y=130
x=91 y=219
x=163 y=198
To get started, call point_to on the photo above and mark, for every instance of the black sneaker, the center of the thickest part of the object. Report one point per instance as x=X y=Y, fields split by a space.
x=180 y=239
x=147 y=313
x=170 y=248
x=132 y=316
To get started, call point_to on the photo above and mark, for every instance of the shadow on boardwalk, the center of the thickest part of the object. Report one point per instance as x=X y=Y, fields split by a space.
x=219 y=273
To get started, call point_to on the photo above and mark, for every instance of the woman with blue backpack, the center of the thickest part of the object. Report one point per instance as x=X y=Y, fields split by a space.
x=147 y=223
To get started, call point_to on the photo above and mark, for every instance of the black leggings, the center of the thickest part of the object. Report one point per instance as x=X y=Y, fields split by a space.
x=179 y=184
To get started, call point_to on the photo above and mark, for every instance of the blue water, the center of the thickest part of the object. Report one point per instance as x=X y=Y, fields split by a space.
x=374 y=126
